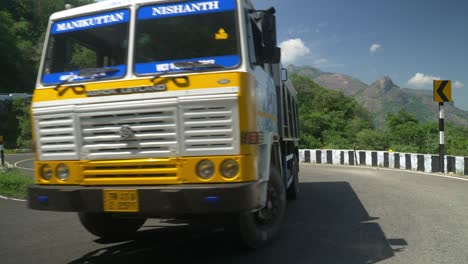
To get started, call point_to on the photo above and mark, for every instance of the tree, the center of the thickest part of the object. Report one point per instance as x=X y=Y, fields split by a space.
x=21 y=108
x=328 y=119
x=22 y=29
x=371 y=139
x=8 y=124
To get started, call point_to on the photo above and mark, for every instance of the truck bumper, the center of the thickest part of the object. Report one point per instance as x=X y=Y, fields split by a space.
x=154 y=200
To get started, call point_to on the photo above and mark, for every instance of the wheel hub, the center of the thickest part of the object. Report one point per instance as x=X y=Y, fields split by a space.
x=268 y=214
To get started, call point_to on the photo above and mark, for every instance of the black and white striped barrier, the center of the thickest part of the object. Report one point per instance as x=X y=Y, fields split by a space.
x=385 y=159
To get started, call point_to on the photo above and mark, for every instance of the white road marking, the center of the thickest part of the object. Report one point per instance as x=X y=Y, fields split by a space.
x=18 y=162
x=13 y=199
x=15 y=165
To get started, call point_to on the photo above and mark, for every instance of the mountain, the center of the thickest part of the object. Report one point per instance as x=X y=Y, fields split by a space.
x=384 y=96
x=334 y=81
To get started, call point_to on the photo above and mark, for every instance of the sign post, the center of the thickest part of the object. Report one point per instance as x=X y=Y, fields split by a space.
x=2 y=154
x=442 y=93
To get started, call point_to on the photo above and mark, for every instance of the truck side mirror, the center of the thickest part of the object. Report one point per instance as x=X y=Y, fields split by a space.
x=270 y=52
x=269 y=28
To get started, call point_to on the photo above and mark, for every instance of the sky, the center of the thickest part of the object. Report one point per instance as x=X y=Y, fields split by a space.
x=412 y=41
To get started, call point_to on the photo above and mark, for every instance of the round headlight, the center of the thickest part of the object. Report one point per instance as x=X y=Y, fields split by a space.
x=205 y=169
x=62 y=172
x=229 y=168
x=46 y=172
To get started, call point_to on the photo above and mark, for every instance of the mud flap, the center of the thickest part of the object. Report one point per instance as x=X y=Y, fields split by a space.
x=264 y=156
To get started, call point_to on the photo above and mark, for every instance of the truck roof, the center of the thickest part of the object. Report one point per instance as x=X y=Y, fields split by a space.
x=100 y=6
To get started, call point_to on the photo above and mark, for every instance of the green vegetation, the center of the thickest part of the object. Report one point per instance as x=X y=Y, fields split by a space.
x=329 y=119
x=15 y=124
x=23 y=26
x=13 y=183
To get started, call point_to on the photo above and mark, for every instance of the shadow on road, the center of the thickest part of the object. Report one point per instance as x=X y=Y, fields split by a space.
x=328 y=224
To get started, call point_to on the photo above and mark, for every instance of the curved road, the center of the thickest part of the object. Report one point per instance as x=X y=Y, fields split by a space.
x=344 y=215
x=23 y=161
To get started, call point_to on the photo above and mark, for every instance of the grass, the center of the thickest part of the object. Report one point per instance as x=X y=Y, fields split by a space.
x=13 y=183
x=17 y=151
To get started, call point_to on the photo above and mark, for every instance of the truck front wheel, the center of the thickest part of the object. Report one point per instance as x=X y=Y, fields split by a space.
x=106 y=226
x=255 y=229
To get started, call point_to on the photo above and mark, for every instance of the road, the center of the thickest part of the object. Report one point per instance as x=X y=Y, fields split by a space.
x=344 y=215
x=23 y=161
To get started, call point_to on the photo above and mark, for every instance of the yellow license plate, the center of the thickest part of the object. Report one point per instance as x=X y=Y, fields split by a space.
x=121 y=201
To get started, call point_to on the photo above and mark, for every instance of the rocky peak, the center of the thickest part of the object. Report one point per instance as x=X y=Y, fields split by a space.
x=385 y=83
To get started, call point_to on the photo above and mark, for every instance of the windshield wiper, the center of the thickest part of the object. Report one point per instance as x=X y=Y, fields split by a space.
x=188 y=66
x=197 y=65
x=91 y=73
x=96 y=72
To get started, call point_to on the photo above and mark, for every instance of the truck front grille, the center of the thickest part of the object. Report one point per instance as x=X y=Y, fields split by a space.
x=181 y=125
x=152 y=133
x=56 y=137
x=208 y=129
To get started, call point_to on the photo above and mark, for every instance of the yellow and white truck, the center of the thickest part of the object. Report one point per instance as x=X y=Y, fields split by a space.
x=152 y=109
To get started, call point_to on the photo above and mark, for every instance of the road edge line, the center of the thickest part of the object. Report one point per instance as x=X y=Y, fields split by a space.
x=389 y=169
x=12 y=199
x=9 y=165
x=23 y=168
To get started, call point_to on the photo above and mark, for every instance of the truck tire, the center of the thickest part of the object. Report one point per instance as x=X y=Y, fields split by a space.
x=105 y=226
x=255 y=229
x=293 y=190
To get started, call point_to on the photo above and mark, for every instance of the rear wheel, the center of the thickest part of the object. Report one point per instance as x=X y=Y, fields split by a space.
x=293 y=189
x=255 y=229
x=106 y=226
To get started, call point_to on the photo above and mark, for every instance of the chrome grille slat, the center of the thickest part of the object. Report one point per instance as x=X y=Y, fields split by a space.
x=56 y=131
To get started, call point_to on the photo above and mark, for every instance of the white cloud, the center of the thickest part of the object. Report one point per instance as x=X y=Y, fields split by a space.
x=420 y=80
x=458 y=84
x=292 y=50
x=375 y=47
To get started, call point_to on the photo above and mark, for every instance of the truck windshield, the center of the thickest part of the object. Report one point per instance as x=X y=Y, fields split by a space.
x=95 y=41
x=189 y=31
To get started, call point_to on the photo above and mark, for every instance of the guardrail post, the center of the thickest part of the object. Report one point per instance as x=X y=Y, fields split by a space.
x=318 y=156
x=307 y=156
x=466 y=165
x=386 y=160
x=408 y=161
x=351 y=157
x=362 y=158
x=329 y=157
x=435 y=164
x=374 y=159
x=397 y=161
x=420 y=166
x=450 y=164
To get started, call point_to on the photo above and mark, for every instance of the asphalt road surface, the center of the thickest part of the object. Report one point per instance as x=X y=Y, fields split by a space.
x=23 y=161
x=344 y=215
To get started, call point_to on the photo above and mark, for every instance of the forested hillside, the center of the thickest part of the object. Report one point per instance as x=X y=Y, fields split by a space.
x=384 y=96
x=22 y=29
x=328 y=119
